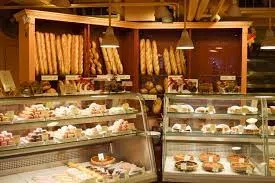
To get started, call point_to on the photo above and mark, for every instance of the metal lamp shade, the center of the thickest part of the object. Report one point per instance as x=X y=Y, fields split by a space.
x=109 y=39
x=185 y=42
x=269 y=41
x=234 y=11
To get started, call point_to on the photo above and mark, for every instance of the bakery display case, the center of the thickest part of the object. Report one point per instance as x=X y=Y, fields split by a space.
x=87 y=138
x=215 y=137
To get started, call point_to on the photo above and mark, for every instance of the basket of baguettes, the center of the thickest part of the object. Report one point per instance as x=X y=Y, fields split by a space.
x=63 y=54
x=174 y=60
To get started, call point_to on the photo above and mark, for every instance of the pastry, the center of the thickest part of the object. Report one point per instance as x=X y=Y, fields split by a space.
x=209 y=157
x=159 y=88
x=239 y=129
x=183 y=157
x=6 y=139
x=157 y=106
x=242 y=167
x=209 y=128
x=212 y=166
x=142 y=57
x=149 y=85
x=223 y=128
x=238 y=158
x=143 y=90
x=153 y=91
x=186 y=165
x=155 y=57
x=251 y=129
x=185 y=108
x=107 y=160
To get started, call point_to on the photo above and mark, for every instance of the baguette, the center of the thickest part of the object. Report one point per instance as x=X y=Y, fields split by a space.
x=80 y=56
x=48 y=53
x=93 y=69
x=36 y=58
x=155 y=57
x=69 y=53
x=142 y=57
x=111 y=59
x=106 y=59
x=64 y=42
x=183 y=62
x=118 y=61
x=39 y=53
x=53 y=53
x=167 y=66
x=74 y=55
x=148 y=57
x=44 y=57
x=173 y=61
x=60 y=58
x=178 y=61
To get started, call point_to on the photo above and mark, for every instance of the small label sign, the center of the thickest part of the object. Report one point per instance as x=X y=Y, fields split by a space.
x=183 y=166
x=123 y=77
x=149 y=97
x=100 y=156
x=49 y=77
x=72 y=77
x=228 y=78
x=127 y=83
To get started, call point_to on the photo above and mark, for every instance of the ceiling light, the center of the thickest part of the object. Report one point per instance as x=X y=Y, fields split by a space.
x=109 y=39
x=234 y=10
x=185 y=42
x=269 y=40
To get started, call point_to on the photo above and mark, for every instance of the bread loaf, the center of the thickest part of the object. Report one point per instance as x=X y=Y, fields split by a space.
x=157 y=106
x=177 y=55
x=165 y=84
x=48 y=53
x=69 y=53
x=39 y=53
x=183 y=62
x=80 y=56
x=106 y=59
x=74 y=55
x=93 y=69
x=155 y=57
x=53 y=53
x=44 y=55
x=118 y=61
x=112 y=59
x=173 y=61
x=60 y=59
x=167 y=66
x=36 y=62
x=142 y=57
x=64 y=42
x=149 y=57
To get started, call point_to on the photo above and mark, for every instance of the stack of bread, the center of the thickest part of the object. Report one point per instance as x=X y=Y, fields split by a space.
x=58 y=54
x=149 y=63
x=174 y=61
x=112 y=60
x=96 y=67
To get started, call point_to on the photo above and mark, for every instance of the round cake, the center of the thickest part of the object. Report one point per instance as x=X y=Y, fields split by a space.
x=212 y=166
x=188 y=165
x=205 y=156
x=241 y=167
x=236 y=158
x=182 y=157
x=107 y=160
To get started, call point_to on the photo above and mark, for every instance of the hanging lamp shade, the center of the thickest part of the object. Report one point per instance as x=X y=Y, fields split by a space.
x=185 y=42
x=234 y=10
x=109 y=39
x=269 y=41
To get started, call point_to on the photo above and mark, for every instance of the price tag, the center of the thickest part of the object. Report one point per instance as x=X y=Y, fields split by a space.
x=249 y=170
x=254 y=103
x=72 y=77
x=210 y=159
x=149 y=97
x=45 y=137
x=127 y=83
x=228 y=78
x=7 y=81
x=123 y=77
x=241 y=160
x=16 y=139
x=183 y=166
x=215 y=169
x=49 y=77
x=104 y=77
x=78 y=132
x=100 y=156
x=187 y=158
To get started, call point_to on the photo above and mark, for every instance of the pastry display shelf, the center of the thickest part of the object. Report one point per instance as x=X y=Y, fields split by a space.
x=59 y=144
x=216 y=137
x=28 y=176
x=27 y=124
x=210 y=116
x=171 y=174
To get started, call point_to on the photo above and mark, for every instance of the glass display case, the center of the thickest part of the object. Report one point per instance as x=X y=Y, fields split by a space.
x=75 y=139
x=215 y=137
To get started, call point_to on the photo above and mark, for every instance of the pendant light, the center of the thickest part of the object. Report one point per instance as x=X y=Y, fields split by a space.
x=109 y=39
x=234 y=10
x=185 y=42
x=269 y=40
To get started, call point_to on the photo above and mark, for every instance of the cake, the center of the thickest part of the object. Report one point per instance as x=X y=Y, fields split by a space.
x=209 y=156
x=209 y=128
x=242 y=167
x=183 y=108
x=106 y=161
x=183 y=157
x=251 y=129
x=210 y=110
x=186 y=165
x=212 y=166
x=223 y=128
x=239 y=129
x=242 y=110
x=238 y=158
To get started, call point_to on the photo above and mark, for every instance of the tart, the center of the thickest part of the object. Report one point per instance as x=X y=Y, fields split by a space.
x=205 y=156
x=188 y=165
x=107 y=160
x=242 y=167
x=183 y=157
x=212 y=167
x=236 y=158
